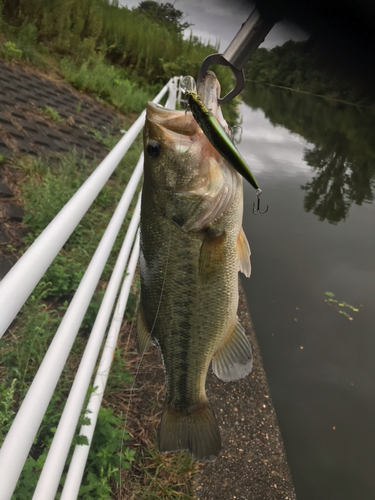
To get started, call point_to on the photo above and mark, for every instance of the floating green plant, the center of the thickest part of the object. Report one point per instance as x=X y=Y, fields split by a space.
x=340 y=306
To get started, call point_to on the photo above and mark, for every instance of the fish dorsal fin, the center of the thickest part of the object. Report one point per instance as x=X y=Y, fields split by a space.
x=143 y=335
x=234 y=359
x=243 y=251
x=211 y=255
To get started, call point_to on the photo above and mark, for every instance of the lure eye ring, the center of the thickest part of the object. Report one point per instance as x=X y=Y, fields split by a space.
x=153 y=149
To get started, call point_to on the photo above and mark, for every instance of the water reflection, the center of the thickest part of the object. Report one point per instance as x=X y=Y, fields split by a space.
x=319 y=364
x=342 y=153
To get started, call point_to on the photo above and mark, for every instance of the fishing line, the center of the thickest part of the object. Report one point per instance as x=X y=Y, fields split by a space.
x=153 y=326
x=143 y=353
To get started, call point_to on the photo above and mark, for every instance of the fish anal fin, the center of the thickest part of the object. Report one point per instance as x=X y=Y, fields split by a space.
x=194 y=430
x=243 y=251
x=234 y=359
x=211 y=255
x=143 y=335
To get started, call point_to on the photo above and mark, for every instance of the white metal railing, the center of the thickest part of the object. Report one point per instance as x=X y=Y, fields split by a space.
x=16 y=287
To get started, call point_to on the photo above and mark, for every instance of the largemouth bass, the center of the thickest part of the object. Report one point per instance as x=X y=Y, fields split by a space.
x=192 y=247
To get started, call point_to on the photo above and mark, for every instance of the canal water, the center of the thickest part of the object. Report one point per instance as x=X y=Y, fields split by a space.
x=312 y=289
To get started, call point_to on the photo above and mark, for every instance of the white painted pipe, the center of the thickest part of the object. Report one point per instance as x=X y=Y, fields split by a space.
x=56 y=458
x=179 y=79
x=20 y=437
x=77 y=465
x=21 y=280
x=171 y=104
x=166 y=105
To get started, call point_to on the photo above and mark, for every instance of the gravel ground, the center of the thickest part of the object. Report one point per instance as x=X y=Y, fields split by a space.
x=252 y=464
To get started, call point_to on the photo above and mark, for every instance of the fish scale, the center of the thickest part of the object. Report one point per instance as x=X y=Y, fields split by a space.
x=191 y=250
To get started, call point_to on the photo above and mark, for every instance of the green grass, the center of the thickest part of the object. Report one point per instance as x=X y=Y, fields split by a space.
x=51 y=113
x=118 y=55
x=161 y=476
x=107 y=83
x=46 y=188
x=108 y=140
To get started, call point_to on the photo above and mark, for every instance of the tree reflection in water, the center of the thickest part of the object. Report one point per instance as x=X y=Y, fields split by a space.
x=343 y=155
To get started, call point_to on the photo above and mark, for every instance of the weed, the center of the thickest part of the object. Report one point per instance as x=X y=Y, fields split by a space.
x=46 y=188
x=117 y=54
x=11 y=52
x=164 y=476
x=21 y=44
x=105 y=455
x=63 y=276
x=79 y=107
x=51 y=113
x=6 y=412
x=92 y=311
x=46 y=193
x=120 y=377
x=108 y=83
x=2 y=158
x=24 y=351
x=132 y=305
x=32 y=165
x=109 y=140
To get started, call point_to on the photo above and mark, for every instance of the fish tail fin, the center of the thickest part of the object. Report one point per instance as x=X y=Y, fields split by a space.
x=195 y=430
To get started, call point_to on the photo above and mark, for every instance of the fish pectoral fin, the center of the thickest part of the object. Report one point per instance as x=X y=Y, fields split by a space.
x=195 y=430
x=143 y=335
x=211 y=255
x=243 y=251
x=234 y=359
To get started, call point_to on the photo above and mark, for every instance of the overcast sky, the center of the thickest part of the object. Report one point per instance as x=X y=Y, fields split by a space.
x=221 y=19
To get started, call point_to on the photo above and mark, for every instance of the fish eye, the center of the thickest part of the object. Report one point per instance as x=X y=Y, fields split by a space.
x=153 y=149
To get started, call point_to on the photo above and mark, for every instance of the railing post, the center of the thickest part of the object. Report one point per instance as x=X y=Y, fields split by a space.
x=179 y=80
x=171 y=101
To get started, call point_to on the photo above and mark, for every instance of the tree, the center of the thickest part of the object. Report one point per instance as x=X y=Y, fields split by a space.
x=165 y=14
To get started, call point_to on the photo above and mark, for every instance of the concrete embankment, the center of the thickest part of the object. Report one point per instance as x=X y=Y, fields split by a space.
x=27 y=129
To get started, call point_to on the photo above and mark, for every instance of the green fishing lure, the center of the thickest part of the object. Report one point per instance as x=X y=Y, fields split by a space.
x=218 y=137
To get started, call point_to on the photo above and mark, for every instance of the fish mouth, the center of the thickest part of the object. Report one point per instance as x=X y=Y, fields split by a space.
x=177 y=131
x=179 y=122
x=195 y=184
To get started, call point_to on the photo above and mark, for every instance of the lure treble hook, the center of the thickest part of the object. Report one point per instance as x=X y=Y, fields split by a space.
x=257 y=210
